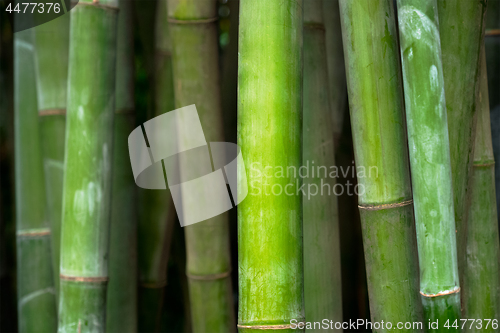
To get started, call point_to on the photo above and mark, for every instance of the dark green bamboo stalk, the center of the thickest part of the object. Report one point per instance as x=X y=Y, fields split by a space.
x=322 y=277
x=430 y=159
x=378 y=126
x=157 y=213
x=35 y=284
x=461 y=27
x=270 y=250
x=336 y=67
x=52 y=42
x=196 y=81
x=482 y=275
x=88 y=162
x=121 y=313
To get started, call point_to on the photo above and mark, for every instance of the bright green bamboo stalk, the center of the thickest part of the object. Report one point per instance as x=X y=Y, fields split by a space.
x=482 y=275
x=195 y=62
x=156 y=210
x=336 y=67
x=378 y=126
x=322 y=278
x=430 y=159
x=35 y=284
x=270 y=251
x=52 y=42
x=121 y=313
x=461 y=27
x=88 y=162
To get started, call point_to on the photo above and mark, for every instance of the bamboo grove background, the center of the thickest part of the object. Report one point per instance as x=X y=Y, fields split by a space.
x=361 y=96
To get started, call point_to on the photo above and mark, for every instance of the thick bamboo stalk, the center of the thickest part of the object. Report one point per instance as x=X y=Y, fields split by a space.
x=156 y=210
x=377 y=120
x=88 y=162
x=52 y=42
x=196 y=81
x=270 y=250
x=336 y=67
x=461 y=27
x=121 y=313
x=430 y=159
x=482 y=275
x=35 y=284
x=322 y=277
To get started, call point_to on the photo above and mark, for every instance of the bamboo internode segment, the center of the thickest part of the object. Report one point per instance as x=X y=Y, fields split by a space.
x=126 y=111
x=313 y=25
x=443 y=293
x=386 y=206
x=209 y=277
x=202 y=21
x=272 y=327
x=96 y=4
x=153 y=285
x=33 y=232
x=91 y=279
x=52 y=112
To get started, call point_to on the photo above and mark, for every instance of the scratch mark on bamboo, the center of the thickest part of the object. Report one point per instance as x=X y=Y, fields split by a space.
x=386 y=206
x=35 y=294
x=52 y=112
x=442 y=293
x=273 y=327
x=33 y=232
x=91 y=279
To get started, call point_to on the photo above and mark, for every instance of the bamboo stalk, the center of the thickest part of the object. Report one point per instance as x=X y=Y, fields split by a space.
x=461 y=27
x=196 y=81
x=322 y=277
x=88 y=161
x=35 y=284
x=270 y=250
x=378 y=126
x=52 y=42
x=121 y=313
x=157 y=213
x=336 y=67
x=482 y=275
x=430 y=159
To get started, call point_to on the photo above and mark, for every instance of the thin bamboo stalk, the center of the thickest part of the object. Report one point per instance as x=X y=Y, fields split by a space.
x=35 y=284
x=482 y=275
x=461 y=27
x=430 y=159
x=384 y=192
x=322 y=277
x=270 y=250
x=157 y=213
x=88 y=162
x=196 y=81
x=121 y=313
x=52 y=42
x=336 y=67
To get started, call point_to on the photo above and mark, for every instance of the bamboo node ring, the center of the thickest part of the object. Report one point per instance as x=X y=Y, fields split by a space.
x=443 y=293
x=209 y=276
x=33 y=232
x=52 y=112
x=492 y=33
x=484 y=164
x=386 y=206
x=95 y=3
x=272 y=327
x=201 y=21
x=91 y=279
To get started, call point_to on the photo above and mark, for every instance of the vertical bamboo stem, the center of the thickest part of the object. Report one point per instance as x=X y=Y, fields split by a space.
x=121 y=310
x=52 y=42
x=35 y=285
x=482 y=275
x=270 y=250
x=461 y=27
x=384 y=191
x=322 y=277
x=88 y=161
x=157 y=213
x=336 y=67
x=430 y=159
x=196 y=81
